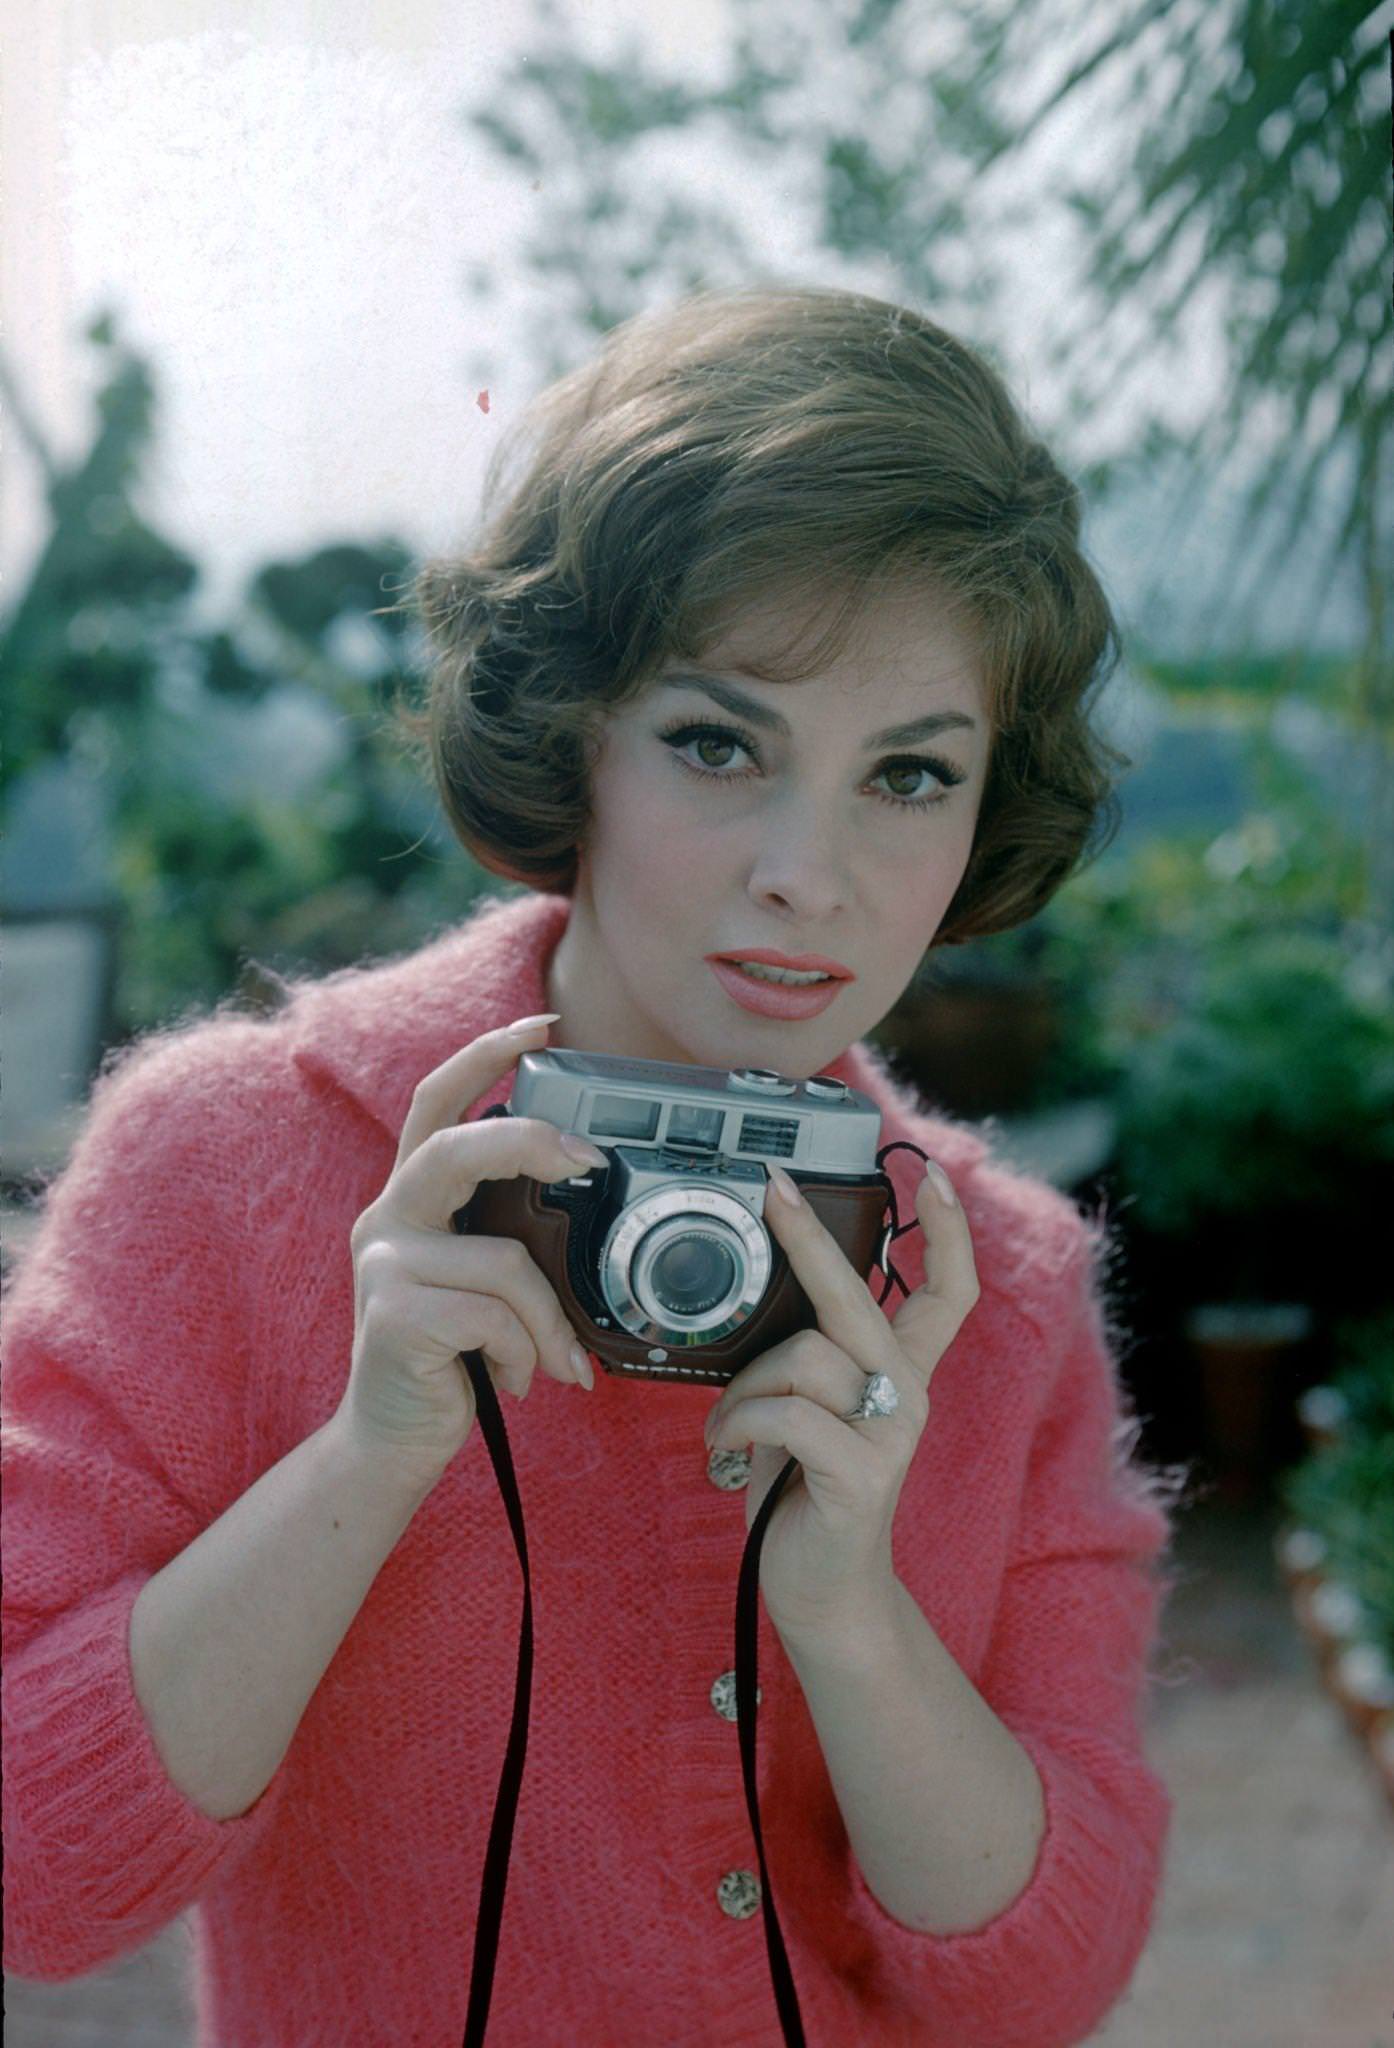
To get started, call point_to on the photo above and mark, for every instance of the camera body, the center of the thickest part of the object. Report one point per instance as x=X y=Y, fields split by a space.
x=663 y=1260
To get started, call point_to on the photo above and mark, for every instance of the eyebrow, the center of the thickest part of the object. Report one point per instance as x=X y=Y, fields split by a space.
x=743 y=705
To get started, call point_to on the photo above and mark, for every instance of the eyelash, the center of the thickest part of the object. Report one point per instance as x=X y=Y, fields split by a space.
x=685 y=731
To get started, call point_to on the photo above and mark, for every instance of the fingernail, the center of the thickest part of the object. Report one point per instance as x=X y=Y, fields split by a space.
x=582 y=1366
x=941 y=1184
x=786 y=1187
x=577 y=1147
x=525 y=1025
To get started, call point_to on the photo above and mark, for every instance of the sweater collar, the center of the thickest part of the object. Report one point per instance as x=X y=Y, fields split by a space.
x=375 y=1031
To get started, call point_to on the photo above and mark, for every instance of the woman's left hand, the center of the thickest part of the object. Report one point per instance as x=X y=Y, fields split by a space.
x=827 y=1550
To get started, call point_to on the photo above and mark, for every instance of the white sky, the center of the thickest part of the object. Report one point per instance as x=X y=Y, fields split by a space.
x=281 y=201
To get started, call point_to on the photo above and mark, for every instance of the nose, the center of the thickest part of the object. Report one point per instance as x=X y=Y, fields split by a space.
x=798 y=865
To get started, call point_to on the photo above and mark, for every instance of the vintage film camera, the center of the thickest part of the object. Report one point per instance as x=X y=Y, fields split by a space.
x=663 y=1261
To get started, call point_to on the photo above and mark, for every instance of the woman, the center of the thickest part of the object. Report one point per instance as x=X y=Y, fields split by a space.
x=261 y=1596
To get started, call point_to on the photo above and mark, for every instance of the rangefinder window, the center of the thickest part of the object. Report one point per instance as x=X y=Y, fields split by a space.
x=624 y=1116
x=698 y=1129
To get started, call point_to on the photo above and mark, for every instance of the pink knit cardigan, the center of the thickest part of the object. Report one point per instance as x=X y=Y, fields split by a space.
x=184 y=1318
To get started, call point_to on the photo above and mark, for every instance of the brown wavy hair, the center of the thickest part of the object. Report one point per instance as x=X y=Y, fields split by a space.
x=736 y=443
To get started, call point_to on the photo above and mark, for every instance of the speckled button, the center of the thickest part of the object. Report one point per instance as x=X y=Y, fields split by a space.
x=739 y=1894
x=730 y=1470
x=723 y=1696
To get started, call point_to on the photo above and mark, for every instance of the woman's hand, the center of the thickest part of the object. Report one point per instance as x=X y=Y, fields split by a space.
x=423 y=1294
x=827 y=1548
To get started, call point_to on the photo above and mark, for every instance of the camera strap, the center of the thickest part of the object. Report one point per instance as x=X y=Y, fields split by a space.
x=495 y=1879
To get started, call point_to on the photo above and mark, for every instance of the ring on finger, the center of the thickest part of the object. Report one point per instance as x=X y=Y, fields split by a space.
x=878 y=1397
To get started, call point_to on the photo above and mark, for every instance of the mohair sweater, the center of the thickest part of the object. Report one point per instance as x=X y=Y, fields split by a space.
x=184 y=1318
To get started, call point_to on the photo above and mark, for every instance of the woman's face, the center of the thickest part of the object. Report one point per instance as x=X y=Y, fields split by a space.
x=811 y=835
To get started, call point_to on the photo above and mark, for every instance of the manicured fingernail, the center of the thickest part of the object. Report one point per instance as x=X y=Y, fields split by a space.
x=786 y=1187
x=525 y=1026
x=582 y=1366
x=577 y=1147
x=941 y=1184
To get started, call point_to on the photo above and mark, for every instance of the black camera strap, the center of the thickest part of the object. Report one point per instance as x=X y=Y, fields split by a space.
x=495 y=1880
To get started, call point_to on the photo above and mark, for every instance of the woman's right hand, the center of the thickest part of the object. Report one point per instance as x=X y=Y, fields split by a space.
x=423 y=1294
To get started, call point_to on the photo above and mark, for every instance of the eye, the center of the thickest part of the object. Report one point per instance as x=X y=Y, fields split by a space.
x=679 y=736
x=702 y=734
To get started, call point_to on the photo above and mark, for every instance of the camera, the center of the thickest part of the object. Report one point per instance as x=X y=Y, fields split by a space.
x=663 y=1260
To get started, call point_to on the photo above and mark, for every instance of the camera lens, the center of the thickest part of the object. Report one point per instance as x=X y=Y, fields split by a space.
x=692 y=1273
x=684 y=1263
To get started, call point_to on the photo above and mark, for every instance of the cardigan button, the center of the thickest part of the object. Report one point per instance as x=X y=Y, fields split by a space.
x=723 y=1696
x=729 y=1470
x=739 y=1894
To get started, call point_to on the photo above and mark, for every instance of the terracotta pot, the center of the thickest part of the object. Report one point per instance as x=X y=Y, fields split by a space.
x=1363 y=1682
x=1300 y=1554
x=1356 y=1673
x=1330 y=1616
x=1248 y=1355
x=1381 y=1740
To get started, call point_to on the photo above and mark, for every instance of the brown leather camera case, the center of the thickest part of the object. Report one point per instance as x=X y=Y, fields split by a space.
x=850 y=1210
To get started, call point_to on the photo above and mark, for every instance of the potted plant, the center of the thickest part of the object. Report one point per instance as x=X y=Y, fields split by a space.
x=1337 y=1548
x=1255 y=1131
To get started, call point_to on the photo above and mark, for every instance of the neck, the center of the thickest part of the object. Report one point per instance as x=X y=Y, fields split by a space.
x=593 y=1016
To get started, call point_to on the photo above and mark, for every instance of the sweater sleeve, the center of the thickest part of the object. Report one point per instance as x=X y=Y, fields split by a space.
x=1065 y=1668
x=124 y=1399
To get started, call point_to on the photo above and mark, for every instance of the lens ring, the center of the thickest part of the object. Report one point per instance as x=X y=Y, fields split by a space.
x=682 y=1204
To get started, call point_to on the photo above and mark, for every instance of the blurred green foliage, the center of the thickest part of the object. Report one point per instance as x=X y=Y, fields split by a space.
x=1124 y=944
x=1270 y=1088
x=1227 y=992
x=1259 y=681
x=108 y=668
x=88 y=631
x=1267 y=187
x=1345 y=1490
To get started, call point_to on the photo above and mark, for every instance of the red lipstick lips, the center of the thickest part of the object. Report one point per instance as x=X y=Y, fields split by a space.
x=805 y=963
x=777 y=999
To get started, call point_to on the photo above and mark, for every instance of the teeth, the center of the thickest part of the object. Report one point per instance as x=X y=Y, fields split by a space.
x=796 y=976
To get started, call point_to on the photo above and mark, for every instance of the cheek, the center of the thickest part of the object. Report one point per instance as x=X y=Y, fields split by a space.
x=915 y=914
x=645 y=838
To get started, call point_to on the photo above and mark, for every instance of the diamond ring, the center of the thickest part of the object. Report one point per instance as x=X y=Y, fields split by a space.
x=878 y=1397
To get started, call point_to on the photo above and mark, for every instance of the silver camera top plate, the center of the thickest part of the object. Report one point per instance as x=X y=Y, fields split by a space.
x=818 y=1125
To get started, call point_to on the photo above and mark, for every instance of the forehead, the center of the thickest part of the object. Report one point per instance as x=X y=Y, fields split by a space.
x=909 y=642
